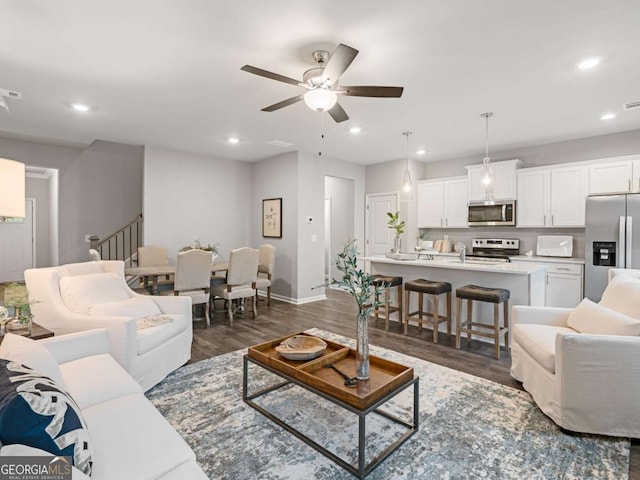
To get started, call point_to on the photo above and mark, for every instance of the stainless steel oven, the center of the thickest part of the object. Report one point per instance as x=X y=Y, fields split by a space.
x=492 y=213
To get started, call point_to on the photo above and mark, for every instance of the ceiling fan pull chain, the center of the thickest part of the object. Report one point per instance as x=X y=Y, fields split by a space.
x=321 y=132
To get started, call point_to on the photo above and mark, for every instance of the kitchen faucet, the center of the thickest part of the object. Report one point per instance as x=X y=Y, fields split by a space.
x=463 y=252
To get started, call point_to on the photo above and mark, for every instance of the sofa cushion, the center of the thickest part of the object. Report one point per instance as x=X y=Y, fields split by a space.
x=150 y=338
x=37 y=412
x=623 y=295
x=135 y=307
x=539 y=341
x=589 y=317
x=79 y=292
x=89 y=389
x=32 y=354
x=133 y=440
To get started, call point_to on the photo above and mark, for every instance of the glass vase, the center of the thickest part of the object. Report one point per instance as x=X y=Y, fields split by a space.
x=362 y=348
x=18 y=326
x=397 y=243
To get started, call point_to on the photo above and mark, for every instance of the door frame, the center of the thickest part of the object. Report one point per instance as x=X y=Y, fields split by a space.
x=367 y=221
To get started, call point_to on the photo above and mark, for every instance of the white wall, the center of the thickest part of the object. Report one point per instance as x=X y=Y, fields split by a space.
x=277 y=177
x=188 y=197
x=311 y=174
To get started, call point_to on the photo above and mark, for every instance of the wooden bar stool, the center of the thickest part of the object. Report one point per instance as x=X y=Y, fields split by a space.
x=427 y=287
x=483 y=294
x=388 y=282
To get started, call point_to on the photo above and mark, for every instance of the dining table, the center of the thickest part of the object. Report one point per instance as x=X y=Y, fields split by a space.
x=154 y=271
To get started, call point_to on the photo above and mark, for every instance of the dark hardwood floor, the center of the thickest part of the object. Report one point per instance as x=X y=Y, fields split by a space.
x=337 y=315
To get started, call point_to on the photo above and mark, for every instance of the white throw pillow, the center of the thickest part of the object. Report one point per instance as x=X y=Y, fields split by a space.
x=30 y=353
x=623 y=295
x=136 y=307
x=80 y=291
x=589 y=317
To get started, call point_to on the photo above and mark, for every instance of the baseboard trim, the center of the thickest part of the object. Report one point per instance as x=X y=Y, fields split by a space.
x=293 y=301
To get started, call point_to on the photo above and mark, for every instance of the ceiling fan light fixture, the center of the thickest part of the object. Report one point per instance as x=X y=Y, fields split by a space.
x=320 y=99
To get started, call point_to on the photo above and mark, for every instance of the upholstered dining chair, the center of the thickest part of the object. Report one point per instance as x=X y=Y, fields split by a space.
x=241 y=279
x=266 y=262
x=193 y=272
x=152 y=255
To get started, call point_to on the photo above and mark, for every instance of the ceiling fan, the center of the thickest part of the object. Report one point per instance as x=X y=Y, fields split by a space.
x=322 y=86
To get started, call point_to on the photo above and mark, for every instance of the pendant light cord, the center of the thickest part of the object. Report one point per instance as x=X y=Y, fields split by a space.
x=486 y=137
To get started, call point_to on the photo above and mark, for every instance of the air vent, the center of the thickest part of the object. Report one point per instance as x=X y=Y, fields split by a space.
x=279 y=143
x=10 y=94
x=631 y=106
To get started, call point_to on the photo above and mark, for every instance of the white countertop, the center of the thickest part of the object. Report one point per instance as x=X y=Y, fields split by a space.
x=453 y=262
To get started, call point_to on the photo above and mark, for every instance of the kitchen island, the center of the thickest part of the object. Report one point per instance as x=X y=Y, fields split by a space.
x=526 y=281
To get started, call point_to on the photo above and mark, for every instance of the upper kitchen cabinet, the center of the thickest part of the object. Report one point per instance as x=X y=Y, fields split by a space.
x=552 y=197
x=621 y=175
x=442 y=203
x=504 y=181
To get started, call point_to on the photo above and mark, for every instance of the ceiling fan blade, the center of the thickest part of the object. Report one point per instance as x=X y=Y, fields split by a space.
x=338 y=113
x=271 y=75
x=339 y=61
x=284 y=103
x=360 y=91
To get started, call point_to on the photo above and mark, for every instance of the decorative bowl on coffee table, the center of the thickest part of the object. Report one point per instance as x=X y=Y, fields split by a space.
x=301 y=347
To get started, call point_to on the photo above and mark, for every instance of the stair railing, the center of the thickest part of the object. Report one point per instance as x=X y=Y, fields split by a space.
x=122 y=244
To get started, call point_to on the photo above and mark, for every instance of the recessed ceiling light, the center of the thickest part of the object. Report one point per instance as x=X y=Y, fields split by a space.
x=420 y=152
x=608 y=116
x=80 y=107
x=233 y=140
x=355 y=130
x=588 y=63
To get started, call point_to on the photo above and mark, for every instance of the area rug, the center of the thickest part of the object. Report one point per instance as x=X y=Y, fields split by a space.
x=470 y=428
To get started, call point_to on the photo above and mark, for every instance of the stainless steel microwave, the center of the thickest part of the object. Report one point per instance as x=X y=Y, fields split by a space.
x=491 y=213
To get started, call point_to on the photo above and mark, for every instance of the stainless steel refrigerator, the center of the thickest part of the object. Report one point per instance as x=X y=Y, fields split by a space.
x=612 y=239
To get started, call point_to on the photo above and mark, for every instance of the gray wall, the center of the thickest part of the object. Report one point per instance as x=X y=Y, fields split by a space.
x=340 y=191
x=190 y=197
x=277 y=177
x=38 y=188
x=100 y=188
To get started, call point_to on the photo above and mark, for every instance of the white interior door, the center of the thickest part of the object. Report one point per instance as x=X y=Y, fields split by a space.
x=17 y=245
x=379 y=236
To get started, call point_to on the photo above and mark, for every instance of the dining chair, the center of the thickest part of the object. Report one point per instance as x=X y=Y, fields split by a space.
x=266 y=262
x=150 y=256
x=241 y=279
x=193 y=273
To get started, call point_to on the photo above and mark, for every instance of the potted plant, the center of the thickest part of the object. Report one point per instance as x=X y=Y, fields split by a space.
x=366 y=293
x=397 y=225
x=209 y=248
x=16 y=297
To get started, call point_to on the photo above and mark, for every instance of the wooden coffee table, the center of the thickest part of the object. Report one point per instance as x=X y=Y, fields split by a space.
x=387 y=379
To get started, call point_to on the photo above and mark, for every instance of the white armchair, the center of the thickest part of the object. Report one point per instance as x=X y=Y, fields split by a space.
x=582 y=366
x=149 y=336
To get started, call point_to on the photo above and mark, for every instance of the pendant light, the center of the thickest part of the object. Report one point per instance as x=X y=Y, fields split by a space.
x=486 y=176
x=406 y=180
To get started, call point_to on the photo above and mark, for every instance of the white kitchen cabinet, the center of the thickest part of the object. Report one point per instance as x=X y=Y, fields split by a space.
x=442 y=203
x=563 y=282
x=455 y=203
x=563 y=285
x=568 y=192
x=533 y=198
x=613 y=177
x=431 y=204
x=552 y=197
x=504 y=181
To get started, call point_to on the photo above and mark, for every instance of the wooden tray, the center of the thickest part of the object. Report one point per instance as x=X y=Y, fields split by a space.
x=385 y=376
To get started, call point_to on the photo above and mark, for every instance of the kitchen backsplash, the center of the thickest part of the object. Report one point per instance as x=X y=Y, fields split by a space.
x=527 y=236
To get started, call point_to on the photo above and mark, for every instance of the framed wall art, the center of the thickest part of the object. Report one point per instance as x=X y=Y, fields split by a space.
x=272 y=218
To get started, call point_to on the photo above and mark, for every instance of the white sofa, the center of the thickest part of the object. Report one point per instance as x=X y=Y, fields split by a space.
x=77 y=297
x=582 y=366
x=129 y=438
